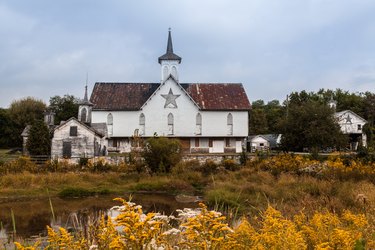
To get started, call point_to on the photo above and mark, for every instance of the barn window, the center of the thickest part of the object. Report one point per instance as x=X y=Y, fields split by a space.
x=73 y=131
x=197 y=142
x=170 y=124
x=142 y=124
x=110 y=124
x=198 y=126
x=84 y=115
x=359 y=127
x=67 y=149
x=227 y=142
x=230 y=124
x=112 y=142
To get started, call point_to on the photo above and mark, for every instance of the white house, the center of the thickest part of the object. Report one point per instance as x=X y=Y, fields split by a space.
x=206 y=118
x=351 y=124
x=263 y=142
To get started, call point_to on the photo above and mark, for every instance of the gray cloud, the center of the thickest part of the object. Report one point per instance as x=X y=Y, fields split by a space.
x=272 y=47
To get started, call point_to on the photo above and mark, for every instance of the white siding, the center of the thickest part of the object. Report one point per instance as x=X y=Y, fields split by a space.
x=82 y=144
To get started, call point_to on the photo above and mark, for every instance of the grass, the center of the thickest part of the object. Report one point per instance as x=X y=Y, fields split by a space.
x=5 y=155
x=73 y=192
x=82 y=184
x=251 y=191
x=246 y=189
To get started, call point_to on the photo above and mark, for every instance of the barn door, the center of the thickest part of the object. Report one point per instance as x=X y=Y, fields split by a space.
x=218 y=146
x=67 y=149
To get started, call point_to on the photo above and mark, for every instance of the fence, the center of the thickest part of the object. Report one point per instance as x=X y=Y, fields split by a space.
x=37 y=159
x=40 y=159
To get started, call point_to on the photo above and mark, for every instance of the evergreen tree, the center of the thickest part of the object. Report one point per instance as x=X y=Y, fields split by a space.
x=39 y=141
x=6 y=129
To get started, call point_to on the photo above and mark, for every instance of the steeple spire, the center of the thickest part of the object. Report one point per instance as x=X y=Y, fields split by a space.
x=85 y=99
x=169 y=46
x=169 y=55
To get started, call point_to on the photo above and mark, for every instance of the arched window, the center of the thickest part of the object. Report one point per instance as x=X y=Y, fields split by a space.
x=198 y=124
x=174 y=72
x=165 y=72
x=110 y=119
x=142 y=123
x=84 y=115
x=230 y=124
x=110 y=124
x=170 y=124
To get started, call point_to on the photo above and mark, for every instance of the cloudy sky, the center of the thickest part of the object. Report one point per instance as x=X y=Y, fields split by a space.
x=273 y=47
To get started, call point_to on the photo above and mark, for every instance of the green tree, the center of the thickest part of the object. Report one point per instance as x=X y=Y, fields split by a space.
x=274 y=112
x=264 y=118
x=258 y=121
x=310 y=124
x=6 y=129
x=161 y=153
x=39 y=141
x=64 y=107
x=369 y=99
x=23 y=112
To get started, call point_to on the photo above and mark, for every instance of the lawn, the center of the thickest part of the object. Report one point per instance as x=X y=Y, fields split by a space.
x=8 y=155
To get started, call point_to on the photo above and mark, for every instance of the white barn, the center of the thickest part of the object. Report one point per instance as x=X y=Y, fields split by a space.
x=75 y=139
x=206 y=118
x=352 y=125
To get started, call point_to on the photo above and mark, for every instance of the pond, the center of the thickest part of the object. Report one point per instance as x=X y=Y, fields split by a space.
x=32 y=216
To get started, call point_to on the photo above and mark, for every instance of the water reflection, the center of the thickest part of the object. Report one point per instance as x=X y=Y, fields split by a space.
x=31 y=217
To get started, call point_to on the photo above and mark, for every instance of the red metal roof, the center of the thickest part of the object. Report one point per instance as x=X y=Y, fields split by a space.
x=132 y=96
x=219 y=96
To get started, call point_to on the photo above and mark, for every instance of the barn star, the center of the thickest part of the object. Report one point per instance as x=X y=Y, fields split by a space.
x=348 y=119
x=170 y=99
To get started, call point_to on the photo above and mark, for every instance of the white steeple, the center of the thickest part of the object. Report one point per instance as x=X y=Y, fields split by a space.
x=85 y=108
x=332 y=103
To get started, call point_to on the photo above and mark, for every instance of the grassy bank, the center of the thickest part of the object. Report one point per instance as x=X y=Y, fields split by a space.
x=306 y=193
x=32 y=185
x=247 y=189
x=288 y=183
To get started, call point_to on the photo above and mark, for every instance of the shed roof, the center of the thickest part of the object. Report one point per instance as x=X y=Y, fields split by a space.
x=132 y=96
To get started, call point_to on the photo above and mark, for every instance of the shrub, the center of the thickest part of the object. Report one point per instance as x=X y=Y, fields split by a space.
x=161 y=154
x=186 y=166
x=83 y=161
x=98 y=165
x=19 y=165
x=230 y=164
x=209 y=167
x=61 y=166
